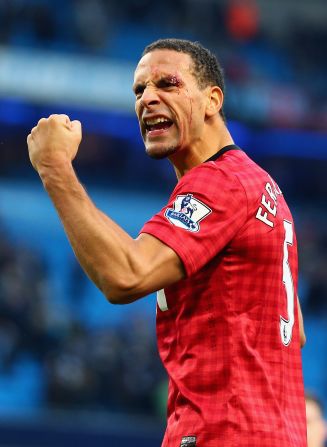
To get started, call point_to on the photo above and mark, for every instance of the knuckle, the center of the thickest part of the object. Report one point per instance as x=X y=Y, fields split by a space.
x=52 y=118
x=41 y=121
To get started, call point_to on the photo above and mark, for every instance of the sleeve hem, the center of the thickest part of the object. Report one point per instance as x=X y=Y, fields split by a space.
x=189 y=267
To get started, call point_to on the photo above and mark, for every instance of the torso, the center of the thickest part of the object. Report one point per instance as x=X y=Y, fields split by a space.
x=234 y=364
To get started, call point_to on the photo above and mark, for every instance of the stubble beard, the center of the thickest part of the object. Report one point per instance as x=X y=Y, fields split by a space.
x=160 y=153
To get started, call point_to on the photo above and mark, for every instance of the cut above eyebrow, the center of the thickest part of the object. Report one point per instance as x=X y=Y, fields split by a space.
x=163 y=81
x=171 y=79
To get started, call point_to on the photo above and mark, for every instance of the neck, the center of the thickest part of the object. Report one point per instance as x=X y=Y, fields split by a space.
x=187 y=158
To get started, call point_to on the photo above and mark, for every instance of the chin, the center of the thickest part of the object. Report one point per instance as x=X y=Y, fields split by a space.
x=158 y=153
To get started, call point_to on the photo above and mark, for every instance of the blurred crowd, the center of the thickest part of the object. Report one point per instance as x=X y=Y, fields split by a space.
x=276 y=77
x=276 y=80
x=107 y=367
x=313 y=263
x=112 y=368
x=23 y=314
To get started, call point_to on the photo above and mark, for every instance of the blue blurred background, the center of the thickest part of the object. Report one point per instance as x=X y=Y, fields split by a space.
x=74 y=369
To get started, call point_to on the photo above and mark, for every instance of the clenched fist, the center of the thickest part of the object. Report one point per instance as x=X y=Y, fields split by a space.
x=54 y=140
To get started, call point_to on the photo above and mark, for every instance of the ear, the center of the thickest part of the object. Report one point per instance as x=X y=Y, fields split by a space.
x=215 y=101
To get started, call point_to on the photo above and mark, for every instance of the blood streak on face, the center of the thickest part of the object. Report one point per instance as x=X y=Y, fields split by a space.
x=177 y=82
x=165 y=86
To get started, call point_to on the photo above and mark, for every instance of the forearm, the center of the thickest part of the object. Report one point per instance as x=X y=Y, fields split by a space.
x=104 y=250
x=123 y=268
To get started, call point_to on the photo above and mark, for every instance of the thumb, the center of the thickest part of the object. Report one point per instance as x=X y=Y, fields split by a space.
x=76 y=128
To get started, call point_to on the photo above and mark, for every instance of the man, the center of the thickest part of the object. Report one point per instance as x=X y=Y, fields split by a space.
x=226 y=273
x=316 y=426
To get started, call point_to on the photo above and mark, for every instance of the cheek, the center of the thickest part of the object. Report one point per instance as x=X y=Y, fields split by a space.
x=194 y=115
x=138 y=113
x=137 y=108
x=194 y=110
x=191 y=111
x=187 y=108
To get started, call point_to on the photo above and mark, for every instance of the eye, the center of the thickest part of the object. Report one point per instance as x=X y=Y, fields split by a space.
x=138 y=91
x=166 y=83
x=169 y=82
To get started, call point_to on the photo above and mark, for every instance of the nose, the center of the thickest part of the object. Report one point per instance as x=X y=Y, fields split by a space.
x=149 y=97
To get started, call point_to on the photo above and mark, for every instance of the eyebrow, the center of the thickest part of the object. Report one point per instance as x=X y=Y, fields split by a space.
x=169 y=79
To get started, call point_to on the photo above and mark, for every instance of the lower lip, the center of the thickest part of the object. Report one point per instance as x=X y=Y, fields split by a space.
x=158 y=132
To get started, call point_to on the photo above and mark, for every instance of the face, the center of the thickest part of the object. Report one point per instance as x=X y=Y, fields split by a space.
x=316 y=428
x=169 y=104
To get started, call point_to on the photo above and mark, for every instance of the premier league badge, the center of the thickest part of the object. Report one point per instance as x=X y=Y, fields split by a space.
x=188 y=441
x=187 y=212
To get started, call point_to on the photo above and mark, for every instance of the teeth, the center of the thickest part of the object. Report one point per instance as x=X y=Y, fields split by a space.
x=153 y=121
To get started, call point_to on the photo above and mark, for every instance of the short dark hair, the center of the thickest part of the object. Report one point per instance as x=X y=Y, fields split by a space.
x=206 y=68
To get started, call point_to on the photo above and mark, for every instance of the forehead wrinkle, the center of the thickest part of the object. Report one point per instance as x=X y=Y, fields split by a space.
x=165 y=61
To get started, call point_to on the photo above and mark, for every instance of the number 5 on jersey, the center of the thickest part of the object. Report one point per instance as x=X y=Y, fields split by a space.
x=162 y=300
x=286 y=325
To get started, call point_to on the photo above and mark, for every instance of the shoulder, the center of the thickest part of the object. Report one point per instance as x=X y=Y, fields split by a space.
x=210 y=175
x=213 y=186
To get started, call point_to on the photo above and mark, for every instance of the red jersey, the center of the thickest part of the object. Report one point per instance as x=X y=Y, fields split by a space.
x=228 y=334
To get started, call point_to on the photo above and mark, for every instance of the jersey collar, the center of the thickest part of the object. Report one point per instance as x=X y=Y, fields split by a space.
x=230 y=147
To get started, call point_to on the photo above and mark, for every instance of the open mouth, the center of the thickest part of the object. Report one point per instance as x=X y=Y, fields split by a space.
x=157 y=125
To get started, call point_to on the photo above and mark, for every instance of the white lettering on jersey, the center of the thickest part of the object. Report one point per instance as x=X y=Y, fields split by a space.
x=266 y=212
x=287 y=323
x=276 y=188
x=162 y=300
x=270 y=192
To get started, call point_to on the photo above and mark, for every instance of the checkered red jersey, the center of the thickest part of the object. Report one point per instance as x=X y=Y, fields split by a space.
x=228 y=334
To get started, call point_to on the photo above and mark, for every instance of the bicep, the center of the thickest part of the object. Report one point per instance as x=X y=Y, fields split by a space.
x=161 y=264
x=155 y=267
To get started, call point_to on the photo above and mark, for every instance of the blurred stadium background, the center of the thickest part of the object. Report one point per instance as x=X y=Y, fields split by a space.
x=75 y=370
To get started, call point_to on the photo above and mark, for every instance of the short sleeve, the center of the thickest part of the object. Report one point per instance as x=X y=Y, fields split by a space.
x=207 y=208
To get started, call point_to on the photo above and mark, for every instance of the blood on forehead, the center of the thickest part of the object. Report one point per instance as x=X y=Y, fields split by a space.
x=168 y=65
x=175 y=80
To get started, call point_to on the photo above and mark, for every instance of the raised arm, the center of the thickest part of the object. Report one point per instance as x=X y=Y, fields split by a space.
x=123 y=268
